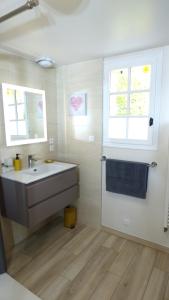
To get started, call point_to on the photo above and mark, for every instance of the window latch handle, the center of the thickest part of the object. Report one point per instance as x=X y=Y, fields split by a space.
x=151 y=121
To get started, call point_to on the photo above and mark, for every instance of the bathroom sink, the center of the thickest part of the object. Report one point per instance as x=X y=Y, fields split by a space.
x=42 y=169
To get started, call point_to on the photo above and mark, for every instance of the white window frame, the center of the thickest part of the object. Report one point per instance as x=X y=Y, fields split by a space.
x=149 y=57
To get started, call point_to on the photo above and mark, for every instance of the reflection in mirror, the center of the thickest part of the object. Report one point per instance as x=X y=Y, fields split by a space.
x=25 y=115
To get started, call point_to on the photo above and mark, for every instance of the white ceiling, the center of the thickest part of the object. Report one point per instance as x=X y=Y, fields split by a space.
x=76 y=30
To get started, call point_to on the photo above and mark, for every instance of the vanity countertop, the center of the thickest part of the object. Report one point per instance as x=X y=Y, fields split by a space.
x=39 y=171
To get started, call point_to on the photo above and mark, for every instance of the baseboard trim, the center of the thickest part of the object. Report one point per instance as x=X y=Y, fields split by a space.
x=136 y=239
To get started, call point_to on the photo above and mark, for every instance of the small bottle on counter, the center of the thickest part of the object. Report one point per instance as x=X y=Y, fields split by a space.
x=17 y=163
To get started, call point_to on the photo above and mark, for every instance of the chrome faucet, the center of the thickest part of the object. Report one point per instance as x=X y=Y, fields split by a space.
x=31 y=160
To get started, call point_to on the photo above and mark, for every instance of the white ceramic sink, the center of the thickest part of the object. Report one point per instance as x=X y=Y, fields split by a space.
x=38 y=172
x=42 y=169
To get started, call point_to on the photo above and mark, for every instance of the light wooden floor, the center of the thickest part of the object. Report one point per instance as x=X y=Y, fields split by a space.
x=84 y=263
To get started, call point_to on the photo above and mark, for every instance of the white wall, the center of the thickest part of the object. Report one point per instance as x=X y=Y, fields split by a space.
x=146 y=217
x=74 y=132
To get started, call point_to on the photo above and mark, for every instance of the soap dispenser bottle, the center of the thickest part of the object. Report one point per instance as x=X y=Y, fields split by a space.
x=17 y=163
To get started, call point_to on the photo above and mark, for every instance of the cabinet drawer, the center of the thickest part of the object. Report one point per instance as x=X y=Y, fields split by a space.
x=47 y=208
x=49 y=187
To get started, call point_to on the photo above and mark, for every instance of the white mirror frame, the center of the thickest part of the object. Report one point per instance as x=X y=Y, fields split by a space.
x=5 y=86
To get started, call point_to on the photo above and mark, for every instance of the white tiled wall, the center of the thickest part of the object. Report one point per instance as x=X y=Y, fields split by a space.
x=74 y=133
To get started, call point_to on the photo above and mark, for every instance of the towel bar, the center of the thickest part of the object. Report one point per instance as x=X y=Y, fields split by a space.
x=152 y=165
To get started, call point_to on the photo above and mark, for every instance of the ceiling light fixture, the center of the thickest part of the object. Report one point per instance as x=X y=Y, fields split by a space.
x=45 y=62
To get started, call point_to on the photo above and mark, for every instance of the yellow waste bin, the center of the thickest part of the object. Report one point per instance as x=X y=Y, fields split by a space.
x=70 y=216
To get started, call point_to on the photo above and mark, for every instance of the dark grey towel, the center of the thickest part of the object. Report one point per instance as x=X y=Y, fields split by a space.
x=126 y=177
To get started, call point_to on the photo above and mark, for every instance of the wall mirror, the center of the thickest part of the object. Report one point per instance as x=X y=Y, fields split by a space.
x=24 y=114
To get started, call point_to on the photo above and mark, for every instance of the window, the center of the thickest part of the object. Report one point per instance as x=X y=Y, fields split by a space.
x=131 y=94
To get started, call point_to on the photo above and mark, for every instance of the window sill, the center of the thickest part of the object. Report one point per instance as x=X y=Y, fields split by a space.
x=130 y=146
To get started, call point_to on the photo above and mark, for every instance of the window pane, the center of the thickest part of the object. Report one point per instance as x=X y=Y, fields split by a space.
x=11 y=96
x=13 y=128
x=21 y=128
x=138 y=128
x=139 y=104
x=12 y=112
x=118 y=105
x=119 y=80
x=21 y=111
x=140 y=77
x=117 y=128
x=20 y=96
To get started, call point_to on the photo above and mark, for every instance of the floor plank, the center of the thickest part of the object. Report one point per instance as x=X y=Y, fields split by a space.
x=133 y=284
x=18 y=262
x=154 y=289
x=81 y=241
x=80 y=261
x=114 y=242
x=128 y=251
x=54 y=290
x=92 y=274
x=106 y=287
x=48 y=272
x=45 y=259
x=162 y=261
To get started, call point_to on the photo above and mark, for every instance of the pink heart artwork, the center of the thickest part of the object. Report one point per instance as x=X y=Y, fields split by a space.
x=76 y=102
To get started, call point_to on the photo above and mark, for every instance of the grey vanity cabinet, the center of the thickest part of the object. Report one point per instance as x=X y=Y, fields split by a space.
x=30 y=204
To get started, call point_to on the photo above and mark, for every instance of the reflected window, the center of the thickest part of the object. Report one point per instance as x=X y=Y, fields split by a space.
x=17 y=112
